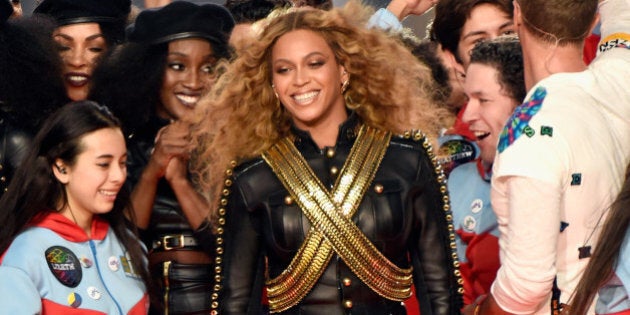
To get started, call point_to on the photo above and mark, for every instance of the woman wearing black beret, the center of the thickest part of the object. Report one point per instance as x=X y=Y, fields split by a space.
x=152 y=83
x=86 y=29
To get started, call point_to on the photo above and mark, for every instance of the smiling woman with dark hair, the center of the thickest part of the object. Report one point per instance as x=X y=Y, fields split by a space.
x=152 y=83
x=86 y=30
x=66 y=246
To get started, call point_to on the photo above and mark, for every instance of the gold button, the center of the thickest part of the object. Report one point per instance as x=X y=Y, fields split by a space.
x=288 y=200
x=378 y=188
x=3 y=179
x=1 y=167
x=330 y=153
x=334 y=170
x=347 y=282
x=347 y=304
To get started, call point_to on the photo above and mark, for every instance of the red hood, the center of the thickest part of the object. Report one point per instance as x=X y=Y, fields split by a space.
x=68 y=229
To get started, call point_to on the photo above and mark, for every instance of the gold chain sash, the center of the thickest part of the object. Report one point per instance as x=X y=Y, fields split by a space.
x=332 y=229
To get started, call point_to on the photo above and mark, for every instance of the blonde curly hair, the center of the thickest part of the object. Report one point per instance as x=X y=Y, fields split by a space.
x=241 y=118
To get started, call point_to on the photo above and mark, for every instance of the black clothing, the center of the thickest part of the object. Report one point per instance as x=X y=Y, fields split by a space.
x=404 y=218
x=188 y=285
x=14 y=146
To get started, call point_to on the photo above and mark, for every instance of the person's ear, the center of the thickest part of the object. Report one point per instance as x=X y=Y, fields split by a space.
x=450 y=62
x=594 y=23
x=60 y=170
x=518 y=17
x=345 y=76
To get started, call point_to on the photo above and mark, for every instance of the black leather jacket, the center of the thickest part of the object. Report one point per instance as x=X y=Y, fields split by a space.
x=166 y=217
x=406 y=221
x=14 y=146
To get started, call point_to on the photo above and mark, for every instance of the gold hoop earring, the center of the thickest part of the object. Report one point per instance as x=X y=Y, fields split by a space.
x=350 y=104
x=345 y=85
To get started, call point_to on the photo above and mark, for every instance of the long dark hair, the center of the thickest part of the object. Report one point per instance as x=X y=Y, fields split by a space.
x=30 y=85
x=606 y=255
x=129 y=82
x=35 y=189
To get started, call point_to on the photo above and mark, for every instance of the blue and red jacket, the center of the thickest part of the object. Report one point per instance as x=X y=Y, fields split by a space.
x=53 y=267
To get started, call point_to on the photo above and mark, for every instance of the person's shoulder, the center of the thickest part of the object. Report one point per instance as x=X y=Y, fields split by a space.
x=254 y=180
x=414 y=140
x=27 y=245
x=250 y=167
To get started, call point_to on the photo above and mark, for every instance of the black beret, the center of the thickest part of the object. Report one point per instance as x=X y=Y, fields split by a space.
x=5 y=10
x=85 y=11
x=179 y=20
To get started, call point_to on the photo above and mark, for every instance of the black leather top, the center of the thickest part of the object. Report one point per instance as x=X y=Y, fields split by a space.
x=405 y=221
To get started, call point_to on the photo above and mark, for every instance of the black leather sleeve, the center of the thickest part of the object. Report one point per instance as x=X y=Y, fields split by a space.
x=242 y=260
x=431 y=254
x=14 y=148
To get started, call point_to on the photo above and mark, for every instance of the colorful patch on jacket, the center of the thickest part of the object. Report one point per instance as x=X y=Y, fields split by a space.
x=518 y=124
x=64 y=265
x=616 y=40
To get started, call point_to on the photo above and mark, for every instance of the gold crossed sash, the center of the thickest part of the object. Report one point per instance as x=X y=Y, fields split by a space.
x=333 y=231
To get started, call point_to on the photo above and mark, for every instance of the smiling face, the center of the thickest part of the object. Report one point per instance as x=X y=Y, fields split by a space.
x=187 y=76
x=97 y=175
x=488 y=109
x=307 y=79
x=80 y=46
x=486 y=21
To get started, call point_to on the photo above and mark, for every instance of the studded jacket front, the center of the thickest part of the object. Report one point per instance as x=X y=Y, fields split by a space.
x=404 y=214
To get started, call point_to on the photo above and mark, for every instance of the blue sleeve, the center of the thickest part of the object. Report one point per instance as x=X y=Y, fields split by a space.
x=18 y=294
x=385 y=20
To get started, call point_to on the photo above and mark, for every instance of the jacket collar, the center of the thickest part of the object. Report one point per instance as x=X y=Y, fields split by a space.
x=347 y=133
x=69 y=230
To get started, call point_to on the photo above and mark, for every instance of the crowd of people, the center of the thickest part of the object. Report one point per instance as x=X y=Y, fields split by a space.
x=294 y=157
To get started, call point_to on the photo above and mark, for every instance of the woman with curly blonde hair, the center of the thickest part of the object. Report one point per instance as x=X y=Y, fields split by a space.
x=333 y=201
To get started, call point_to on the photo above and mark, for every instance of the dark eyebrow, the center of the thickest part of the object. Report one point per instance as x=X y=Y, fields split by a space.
x=504 y=25
x=70 y=38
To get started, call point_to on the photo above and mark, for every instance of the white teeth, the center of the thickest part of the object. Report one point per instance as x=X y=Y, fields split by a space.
x=481 y=134
x=306 y=97
x=77 y=78
x=108 y=193
x=187 y=99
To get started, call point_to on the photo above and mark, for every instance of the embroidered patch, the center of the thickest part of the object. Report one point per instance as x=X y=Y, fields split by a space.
x=64 y=265
x=456 y=151
x=476 y=205
x=563 y=225
x=518 y=122
x=621 y=40
x=546 y=131
x=94 y=293
x=74 y=300
x=127 y=266
x=576 y=179
x=470 y=223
